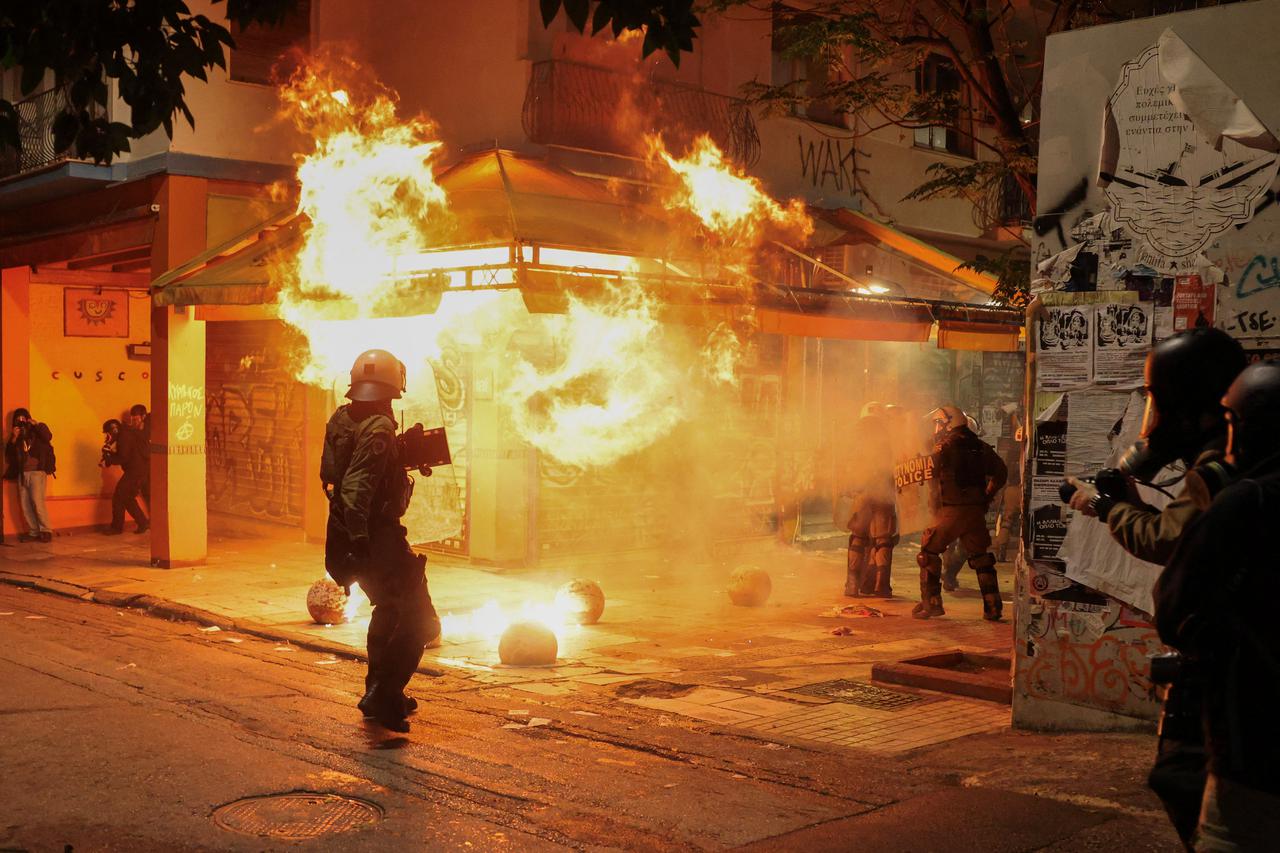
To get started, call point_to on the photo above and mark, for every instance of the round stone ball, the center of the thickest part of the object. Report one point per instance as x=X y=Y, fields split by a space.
x=528 y=644
x=749 y=586
x=582 y=599
x=326 y=602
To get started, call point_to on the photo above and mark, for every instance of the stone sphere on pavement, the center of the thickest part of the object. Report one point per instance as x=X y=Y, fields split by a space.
x=528 y=644
x=749 y=586
x=326 y=602
x=582 y=599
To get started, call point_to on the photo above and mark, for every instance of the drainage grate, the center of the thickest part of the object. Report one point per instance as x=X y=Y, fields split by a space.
x=859 y=693
x=296 y=816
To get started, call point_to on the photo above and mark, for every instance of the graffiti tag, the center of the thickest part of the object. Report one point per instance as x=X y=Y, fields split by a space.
x=1265 y=274
x=827 y=159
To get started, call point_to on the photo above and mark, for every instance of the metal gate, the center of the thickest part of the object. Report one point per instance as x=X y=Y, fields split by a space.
x=256 y=412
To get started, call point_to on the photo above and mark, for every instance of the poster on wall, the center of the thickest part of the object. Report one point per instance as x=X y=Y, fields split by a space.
x=1193 y=303
x=1064 y=350
x=1165 y=181
x=1122 y=336
x=95 y=313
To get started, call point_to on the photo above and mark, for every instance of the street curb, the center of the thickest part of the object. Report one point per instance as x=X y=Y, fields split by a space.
x=185 y=613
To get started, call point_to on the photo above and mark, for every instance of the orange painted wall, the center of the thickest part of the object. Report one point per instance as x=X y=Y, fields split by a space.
x=74 y=408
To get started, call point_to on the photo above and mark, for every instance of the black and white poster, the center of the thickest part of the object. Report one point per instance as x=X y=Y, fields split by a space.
x=1122 y=337
x=1064 y=347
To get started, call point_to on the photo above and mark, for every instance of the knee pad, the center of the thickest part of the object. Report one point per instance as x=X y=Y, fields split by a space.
x=885 y=541
x=983 y=562
x=928 y=559
x=858 y=542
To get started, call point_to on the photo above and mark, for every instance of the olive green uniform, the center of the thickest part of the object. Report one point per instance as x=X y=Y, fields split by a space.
x=366 y=543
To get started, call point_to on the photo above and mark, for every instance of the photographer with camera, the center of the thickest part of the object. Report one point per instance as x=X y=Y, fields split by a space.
x=1185 y=378
x=125 y=445
x=29 y=459
x=1215 y=604
x=363 y=474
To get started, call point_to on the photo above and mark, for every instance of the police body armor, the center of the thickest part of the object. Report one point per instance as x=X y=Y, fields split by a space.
x=962 y=469
x=394 y=488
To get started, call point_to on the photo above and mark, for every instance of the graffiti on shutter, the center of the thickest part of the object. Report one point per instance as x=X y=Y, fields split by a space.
x=256 y=413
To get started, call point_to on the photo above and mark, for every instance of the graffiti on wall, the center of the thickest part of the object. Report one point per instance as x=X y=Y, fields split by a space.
x=1093 y=653
x=828 y=162
x=255 y=444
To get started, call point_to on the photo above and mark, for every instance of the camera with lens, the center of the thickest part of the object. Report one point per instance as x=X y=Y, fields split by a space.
x=1167 y=668
x=1112 y=482
x=422 y=449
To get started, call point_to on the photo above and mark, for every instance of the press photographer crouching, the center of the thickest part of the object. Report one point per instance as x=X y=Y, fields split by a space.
x=1215 y=603
x=1185 y=378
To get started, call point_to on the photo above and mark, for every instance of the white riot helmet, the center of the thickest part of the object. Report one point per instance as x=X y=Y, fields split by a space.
x=947 y=418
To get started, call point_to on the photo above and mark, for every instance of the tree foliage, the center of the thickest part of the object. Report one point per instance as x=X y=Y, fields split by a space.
x=148 y=47
x=668 y=25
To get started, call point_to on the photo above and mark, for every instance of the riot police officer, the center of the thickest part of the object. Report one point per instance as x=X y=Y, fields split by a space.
x=967 y=475
x=369 y=492
x=873 y=518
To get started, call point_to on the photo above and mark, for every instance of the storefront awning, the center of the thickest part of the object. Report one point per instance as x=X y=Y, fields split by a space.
x=549 y=233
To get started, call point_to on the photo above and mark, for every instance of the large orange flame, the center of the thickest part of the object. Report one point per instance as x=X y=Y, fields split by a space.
x=730 y=204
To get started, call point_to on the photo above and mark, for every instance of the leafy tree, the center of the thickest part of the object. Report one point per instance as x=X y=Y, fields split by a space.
x=669 y=25
x=148 y=47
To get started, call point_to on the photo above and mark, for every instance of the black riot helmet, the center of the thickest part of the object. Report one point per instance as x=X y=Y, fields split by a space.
x=1253 y=415
x=1186 y=376
x=110 y=427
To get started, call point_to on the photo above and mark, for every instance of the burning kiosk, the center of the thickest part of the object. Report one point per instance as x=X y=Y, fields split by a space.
x=576 y=297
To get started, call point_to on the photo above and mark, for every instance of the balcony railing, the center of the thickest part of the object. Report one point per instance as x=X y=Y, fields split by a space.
x=35 y=133
x=1012 y=207
x=583 y=106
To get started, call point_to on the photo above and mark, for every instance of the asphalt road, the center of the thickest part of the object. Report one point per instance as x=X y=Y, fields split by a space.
x=120 y=731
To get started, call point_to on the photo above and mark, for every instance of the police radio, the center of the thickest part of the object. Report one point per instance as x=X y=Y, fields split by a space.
x=423 y=449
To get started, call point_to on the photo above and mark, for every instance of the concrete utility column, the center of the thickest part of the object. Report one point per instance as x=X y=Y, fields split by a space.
x=179 y=517
x=15 y=362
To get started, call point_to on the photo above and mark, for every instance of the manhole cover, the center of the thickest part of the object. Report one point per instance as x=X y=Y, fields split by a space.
x=296 y=816
x=859 y=693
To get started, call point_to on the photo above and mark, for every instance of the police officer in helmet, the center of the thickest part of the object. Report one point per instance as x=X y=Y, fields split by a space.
x=369 y=492
x=967 y=475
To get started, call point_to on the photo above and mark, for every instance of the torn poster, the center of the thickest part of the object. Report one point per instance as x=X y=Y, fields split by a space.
x=1094 y=420
x=1209 y=103
x=1122 y=337
x=1163 y=179
x=1064 y=351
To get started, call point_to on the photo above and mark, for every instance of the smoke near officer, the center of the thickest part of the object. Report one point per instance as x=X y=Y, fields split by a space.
x=967 y=475
x=369 y=490
x=870 y=497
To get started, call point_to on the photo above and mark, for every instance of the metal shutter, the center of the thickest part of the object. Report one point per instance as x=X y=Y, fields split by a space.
x=256 y=413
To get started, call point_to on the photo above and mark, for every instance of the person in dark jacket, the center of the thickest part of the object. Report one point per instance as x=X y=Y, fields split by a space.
x=1185 y=378
x=1215 y=603
x=129 y=451
x=365 y=542
x=140 y=420
x=967 y=475
x=29 y=459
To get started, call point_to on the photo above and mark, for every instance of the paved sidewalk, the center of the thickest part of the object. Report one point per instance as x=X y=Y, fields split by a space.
x=669 y=640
